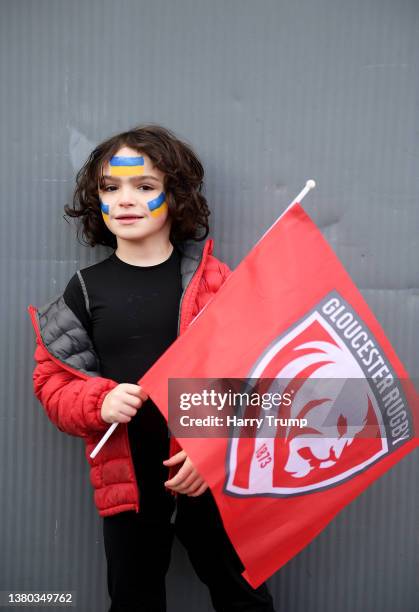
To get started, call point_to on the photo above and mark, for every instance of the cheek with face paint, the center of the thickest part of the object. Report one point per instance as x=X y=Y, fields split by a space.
x=105 y=211
x=158 y=205
x=126 y=166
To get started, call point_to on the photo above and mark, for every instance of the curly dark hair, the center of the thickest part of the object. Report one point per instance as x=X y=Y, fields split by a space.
x=183 y=182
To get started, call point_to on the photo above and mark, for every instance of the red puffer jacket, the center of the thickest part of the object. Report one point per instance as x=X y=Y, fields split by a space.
x=67 y=380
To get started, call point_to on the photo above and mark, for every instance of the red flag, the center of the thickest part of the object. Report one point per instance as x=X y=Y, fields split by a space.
x=291 y=312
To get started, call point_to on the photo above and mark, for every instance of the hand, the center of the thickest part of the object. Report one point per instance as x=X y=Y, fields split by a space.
x=187 y=480
x=122 y=403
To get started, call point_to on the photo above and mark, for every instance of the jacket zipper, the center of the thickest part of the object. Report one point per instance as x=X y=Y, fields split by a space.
x=34 y=318
x=187 y=287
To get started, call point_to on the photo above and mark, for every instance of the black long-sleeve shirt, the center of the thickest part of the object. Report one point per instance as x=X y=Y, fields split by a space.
x=133 y=320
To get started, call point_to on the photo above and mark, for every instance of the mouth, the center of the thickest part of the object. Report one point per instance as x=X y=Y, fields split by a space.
x=128 y=216
x=126 y=219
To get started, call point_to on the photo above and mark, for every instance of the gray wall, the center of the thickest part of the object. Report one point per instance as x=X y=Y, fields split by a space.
x=270 y=93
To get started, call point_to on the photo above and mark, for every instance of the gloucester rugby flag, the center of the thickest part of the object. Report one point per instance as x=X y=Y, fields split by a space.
x=290 y=315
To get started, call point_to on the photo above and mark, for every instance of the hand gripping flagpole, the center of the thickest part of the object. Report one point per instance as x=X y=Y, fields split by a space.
x=310 y=184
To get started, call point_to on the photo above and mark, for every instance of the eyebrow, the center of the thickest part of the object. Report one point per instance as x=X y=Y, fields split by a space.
x=131 y=178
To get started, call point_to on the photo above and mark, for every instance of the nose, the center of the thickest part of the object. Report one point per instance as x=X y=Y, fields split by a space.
x=126 y=195
x=123 y=206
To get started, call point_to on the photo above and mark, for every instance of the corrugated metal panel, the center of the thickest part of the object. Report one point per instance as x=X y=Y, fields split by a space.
x=269 y=94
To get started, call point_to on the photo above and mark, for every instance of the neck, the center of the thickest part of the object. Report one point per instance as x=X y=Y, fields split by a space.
x=148 y=251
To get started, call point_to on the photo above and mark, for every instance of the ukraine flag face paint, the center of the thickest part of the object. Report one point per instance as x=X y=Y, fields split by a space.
x=105 y=210
x=126 y=166
x=158 y=205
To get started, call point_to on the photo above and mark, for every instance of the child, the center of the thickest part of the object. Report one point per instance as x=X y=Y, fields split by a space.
x=140 y=194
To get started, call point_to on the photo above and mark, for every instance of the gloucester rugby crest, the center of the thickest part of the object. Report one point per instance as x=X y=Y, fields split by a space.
x=344 y=388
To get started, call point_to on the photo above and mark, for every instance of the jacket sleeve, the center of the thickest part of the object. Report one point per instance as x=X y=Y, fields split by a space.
x=72 y=403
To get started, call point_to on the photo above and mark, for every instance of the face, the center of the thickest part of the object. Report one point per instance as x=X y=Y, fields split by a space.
x=132 y=197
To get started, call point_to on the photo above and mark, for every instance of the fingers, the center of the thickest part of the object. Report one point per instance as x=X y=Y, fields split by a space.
x=130 y=400
x=122 y=418
x=190 y=484
x=201 y=489
x=187 y=485
x=133 y=395
x=184 y=474
x=128 y=411
x=123 y=414
x=125 y=409
x=134 y=390
x=178 y=458
x=122 y=403
x=188 y=480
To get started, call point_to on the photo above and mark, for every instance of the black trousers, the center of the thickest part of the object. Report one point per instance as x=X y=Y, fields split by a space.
x=138 y=549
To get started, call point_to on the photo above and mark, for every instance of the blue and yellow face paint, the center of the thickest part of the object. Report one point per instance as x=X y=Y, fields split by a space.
x=105 y=210
x=126 y=166
x=158 y=205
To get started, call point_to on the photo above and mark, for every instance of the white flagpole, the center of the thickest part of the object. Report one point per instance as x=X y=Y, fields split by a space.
x=103 y=440
x=310 y=184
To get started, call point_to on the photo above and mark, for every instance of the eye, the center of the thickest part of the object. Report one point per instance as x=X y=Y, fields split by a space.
x=109 y=188
x=146 y=187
